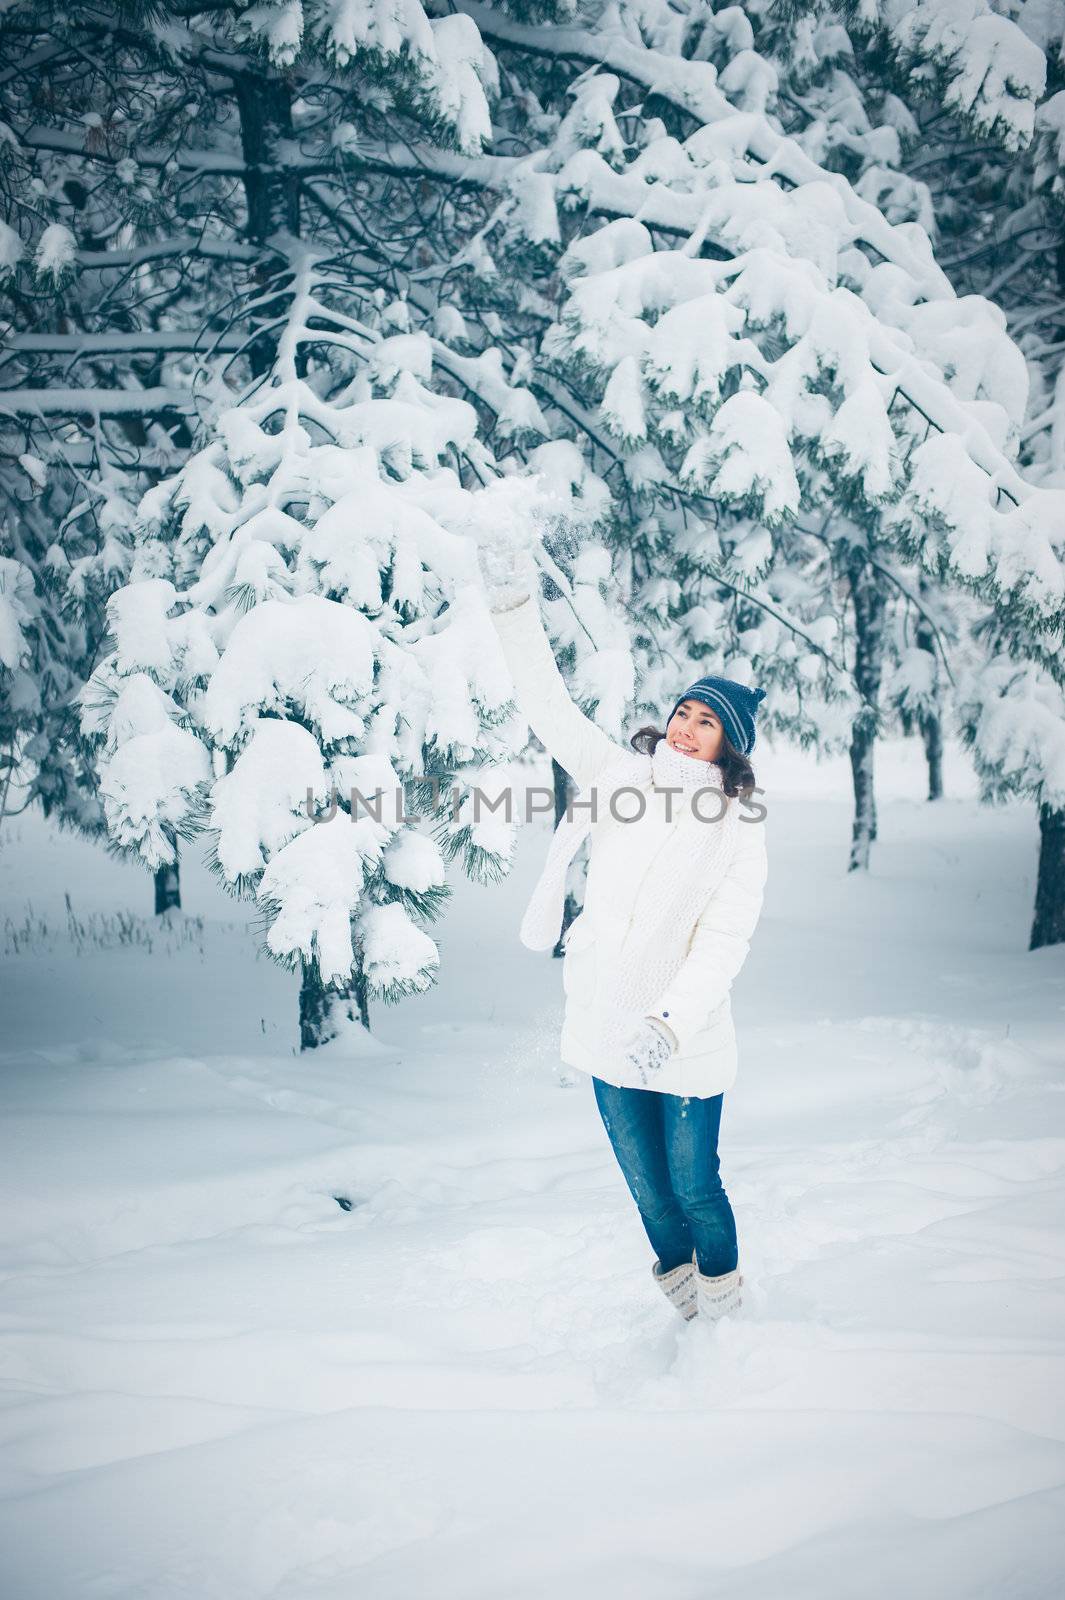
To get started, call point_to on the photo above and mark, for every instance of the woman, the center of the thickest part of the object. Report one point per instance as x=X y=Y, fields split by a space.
x=677 y=869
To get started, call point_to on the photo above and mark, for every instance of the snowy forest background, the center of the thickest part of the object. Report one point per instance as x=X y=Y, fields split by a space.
x=772 y=297
x=759 y=310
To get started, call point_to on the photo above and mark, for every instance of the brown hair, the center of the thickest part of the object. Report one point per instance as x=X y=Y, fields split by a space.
x=736 y=771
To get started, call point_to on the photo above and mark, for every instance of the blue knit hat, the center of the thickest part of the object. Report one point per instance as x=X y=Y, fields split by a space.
x=733 y=702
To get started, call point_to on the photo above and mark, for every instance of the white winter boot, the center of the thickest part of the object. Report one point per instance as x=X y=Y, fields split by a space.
x=716 y=1297
x=678 y=1286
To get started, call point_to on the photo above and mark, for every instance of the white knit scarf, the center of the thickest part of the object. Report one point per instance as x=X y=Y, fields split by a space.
x=693 y=862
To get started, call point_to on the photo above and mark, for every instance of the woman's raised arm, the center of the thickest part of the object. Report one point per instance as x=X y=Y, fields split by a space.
x=579 y=747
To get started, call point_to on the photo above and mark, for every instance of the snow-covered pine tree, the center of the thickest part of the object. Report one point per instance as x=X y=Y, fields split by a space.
x=819 y=363
x=91 y=413
x=67 y=501
x=144 y=171
x=299 y=665
x=689 y=564
x=902 y=624
x=984 y=144
x=181 y=123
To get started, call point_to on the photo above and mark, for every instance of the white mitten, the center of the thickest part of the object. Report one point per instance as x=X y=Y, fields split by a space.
x=509 y=571
x=650 y=1047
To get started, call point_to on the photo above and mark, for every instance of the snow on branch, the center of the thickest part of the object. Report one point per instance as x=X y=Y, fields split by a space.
x=979 y=63
x=692 y=87
x=94 y=402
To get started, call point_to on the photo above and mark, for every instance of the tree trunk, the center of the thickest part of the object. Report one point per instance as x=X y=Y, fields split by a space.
x=1048 y=924
x=324 y=1011
x=1048 y=921
x=167 y=888
x=870 y=607
x=932 y=736
x=271 y=192
x=563 y=789
x=930 y=721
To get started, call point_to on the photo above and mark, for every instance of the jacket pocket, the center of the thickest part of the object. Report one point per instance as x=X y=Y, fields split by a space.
x=716 y=1036
x=578 y=967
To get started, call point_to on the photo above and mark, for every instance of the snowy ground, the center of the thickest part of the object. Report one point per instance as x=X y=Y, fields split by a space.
x=219 y=1385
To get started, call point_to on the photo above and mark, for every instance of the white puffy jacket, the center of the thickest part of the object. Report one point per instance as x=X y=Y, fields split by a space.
x=623 y=892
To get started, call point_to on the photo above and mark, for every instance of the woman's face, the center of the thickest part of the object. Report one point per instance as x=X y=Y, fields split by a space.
x=695 y=730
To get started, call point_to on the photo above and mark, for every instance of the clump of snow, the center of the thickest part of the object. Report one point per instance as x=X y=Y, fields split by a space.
x=313 y=881
x=56 y=253
x=308 y=652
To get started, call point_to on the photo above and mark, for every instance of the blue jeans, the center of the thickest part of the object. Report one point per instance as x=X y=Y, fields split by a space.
x=666 y=1146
